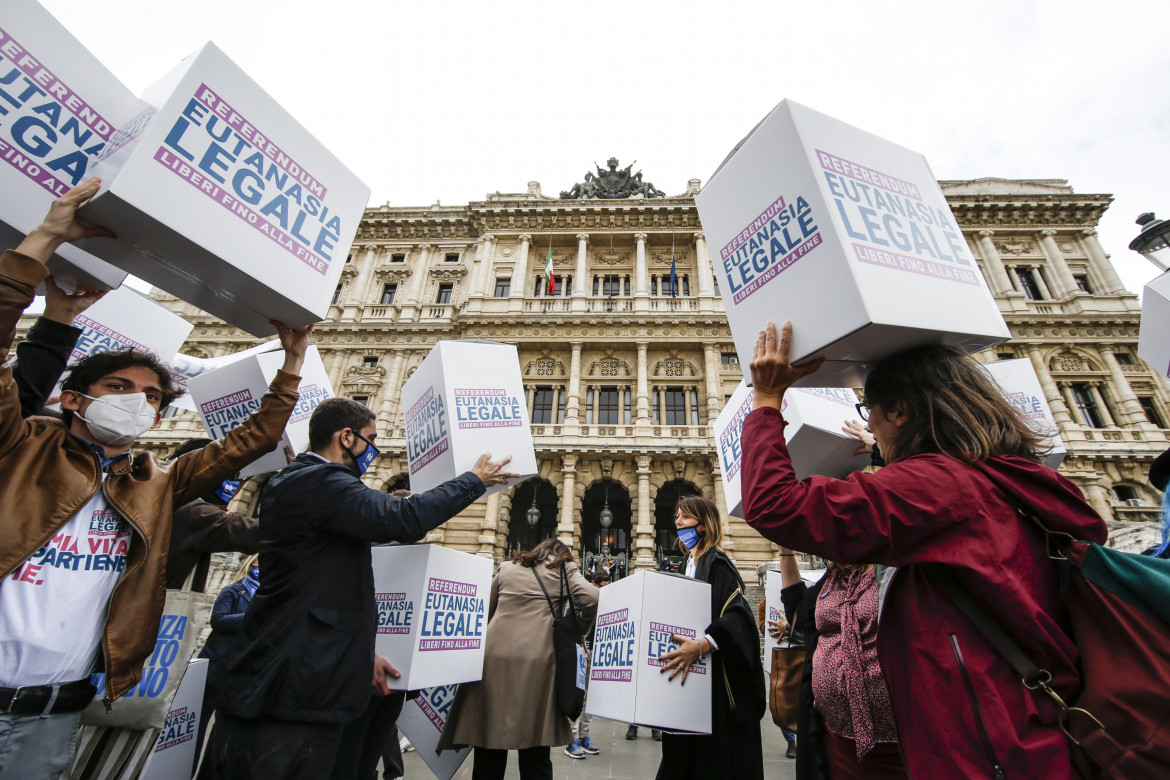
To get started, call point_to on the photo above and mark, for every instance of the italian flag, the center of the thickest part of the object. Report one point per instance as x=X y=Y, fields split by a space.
x=548 y=272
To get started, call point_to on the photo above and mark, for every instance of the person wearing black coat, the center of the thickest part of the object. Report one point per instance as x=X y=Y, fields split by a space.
x=304 y=662
x=41 y=357
x=227 y=616
x=733 y=750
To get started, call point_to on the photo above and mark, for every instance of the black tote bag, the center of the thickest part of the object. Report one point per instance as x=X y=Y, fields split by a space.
x=567 y=650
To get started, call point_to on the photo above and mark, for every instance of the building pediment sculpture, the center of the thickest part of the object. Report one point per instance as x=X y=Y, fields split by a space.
x=612 y=184
x=364 y=375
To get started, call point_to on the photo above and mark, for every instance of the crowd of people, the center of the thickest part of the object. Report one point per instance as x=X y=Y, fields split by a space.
x=897 y=681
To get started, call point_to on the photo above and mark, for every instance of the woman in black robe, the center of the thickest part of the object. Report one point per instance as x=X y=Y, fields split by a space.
x=733 y=750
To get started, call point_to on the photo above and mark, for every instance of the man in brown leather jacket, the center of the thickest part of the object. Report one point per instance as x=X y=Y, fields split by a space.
x=86 y=526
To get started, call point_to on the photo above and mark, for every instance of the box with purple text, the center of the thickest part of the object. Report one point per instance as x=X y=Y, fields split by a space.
x=173 y=757
x=227 y=396
x=59 y=107
x=848 y=236
x=1021 y=386
x=432 y=613
x=816 y=443
x=467 y=398
x=422 y=721
x=636 y=618
x=127 y=319
x=221 y=198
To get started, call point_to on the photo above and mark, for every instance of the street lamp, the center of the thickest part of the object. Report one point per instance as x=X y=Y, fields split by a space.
x=1154 y=240
x=606 y=516
x=533 y=514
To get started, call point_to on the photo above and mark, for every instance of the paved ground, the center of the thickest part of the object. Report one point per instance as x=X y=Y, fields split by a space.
x=620 y=759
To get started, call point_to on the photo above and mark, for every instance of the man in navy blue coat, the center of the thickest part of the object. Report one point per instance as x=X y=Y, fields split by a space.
x=304 y=661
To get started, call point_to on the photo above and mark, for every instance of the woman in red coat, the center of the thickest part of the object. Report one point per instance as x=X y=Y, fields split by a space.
x=960 y=460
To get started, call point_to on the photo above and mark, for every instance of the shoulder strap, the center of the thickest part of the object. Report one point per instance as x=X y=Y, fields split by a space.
x=574 y=606
x=944 y=579
x=540 y=582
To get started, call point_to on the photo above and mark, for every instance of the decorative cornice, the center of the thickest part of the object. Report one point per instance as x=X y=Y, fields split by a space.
x=397 y=272
x=449 y=273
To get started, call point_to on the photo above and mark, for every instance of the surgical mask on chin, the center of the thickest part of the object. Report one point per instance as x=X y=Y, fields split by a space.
x=689 y=537
x=118 y=419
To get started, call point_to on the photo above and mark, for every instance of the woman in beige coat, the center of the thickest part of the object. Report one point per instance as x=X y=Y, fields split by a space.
x=514 y=706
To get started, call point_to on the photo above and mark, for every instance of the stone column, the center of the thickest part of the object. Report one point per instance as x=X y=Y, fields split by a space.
x=721 y=503
x=520 y=274
x=999 y=282
x=1129 y=407
x=641 y=280
x=390 y=401
x=484 y=254
x=487 y=533
x=1045 y=293
x=573 y=404
x=714 y=389
x=504 y=515
x=643 y=400
x=1056 y=403
x=703 y=267
x=1098 y=496
x=580 y=286
x=418 y=284
x=644 y=527
x=1064 y=278
x=568 y=499
x=1101 y=262
x=1073 y=409
x=1102 y=407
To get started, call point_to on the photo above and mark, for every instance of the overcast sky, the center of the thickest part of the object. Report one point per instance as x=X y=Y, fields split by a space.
x=448 y=101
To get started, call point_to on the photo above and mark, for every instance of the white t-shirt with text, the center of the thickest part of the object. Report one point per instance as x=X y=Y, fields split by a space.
x=53 y=607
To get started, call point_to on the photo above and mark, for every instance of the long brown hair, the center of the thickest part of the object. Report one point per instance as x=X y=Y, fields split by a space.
x=954 y=407
x=554 y=547
x=705 y=511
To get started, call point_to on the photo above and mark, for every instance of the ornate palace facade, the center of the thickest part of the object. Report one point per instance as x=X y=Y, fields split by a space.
x=623 y=378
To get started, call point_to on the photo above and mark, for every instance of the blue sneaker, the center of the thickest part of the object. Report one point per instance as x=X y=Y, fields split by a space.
x=574 y=750
x=588 y=746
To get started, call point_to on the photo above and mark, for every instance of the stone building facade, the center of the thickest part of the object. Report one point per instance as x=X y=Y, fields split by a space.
x=624 y=379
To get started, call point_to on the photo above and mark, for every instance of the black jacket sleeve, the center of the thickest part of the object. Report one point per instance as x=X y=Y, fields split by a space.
x=330 y=497
x=40 y=361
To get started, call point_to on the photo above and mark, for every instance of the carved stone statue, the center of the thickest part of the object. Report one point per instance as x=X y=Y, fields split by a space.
x=612 y=184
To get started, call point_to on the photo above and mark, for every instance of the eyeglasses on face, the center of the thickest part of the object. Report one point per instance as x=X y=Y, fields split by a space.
x=863 y=411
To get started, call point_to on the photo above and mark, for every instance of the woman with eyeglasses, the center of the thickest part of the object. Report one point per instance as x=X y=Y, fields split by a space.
x=961 y=463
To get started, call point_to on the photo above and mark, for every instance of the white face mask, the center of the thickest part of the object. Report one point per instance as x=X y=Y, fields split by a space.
x=118 y=419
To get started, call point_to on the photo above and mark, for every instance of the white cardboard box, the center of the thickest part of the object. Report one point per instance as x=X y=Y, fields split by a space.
x=125 y=318
x=1021 y=386
x=815 y=441
x=432 y=613
x=227 y=396
x=185 y=367
x=467 y=398
x=849 y=237
x=221 y=198
x=1154 y=333
x=422 y=721
x=61 y=106
x=635 y=619
x=773 y=610
x=173 y=756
